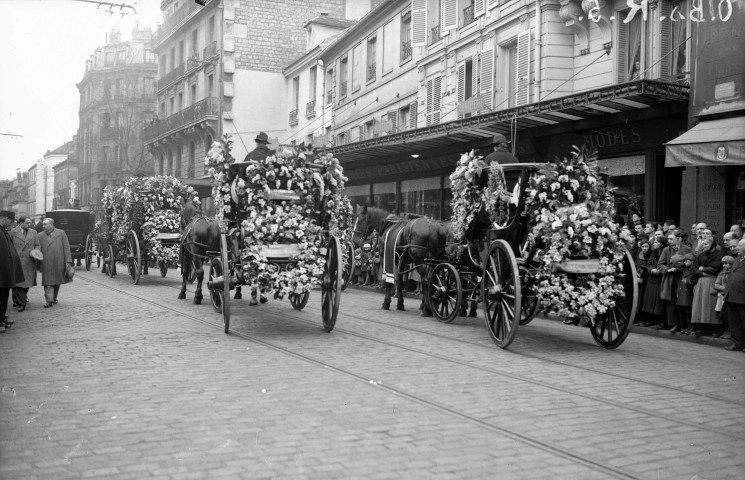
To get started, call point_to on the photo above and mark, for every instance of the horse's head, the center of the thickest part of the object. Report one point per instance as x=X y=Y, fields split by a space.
x=363 y=226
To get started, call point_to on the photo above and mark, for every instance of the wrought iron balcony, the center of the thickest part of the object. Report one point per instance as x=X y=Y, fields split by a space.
x=171 y=76
x=174 y=21
x=206 y=108
x=193 y=62
x=210 y=50
x=342 y=89
x=371 y=71
x=329 y=97
x=310 y=109
x=435 y=36
x=468 y=17
x=293 y=118
x=405 y=50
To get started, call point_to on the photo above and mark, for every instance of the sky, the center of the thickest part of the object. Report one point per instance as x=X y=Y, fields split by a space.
x=43 y=48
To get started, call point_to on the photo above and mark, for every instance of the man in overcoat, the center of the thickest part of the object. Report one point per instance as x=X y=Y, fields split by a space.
x=57 y=257
x=11 y=271
x=736 y=300
x=25 y=240
x=501 y=153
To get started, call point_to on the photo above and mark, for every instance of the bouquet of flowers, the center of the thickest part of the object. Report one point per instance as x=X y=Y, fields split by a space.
x=572 y=211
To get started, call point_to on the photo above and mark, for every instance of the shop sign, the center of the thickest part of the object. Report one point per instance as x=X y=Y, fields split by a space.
x=429 y=165
x=473 y=104
x=383 y=126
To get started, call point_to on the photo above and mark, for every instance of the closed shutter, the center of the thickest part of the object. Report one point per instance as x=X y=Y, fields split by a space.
x=448 y=15
x=413 y=114
x=436 y=100
x=418 y=23
x=621 y=46
x=461 y=85
x=358 y=68
x=487 y=76
x=666 y=36
x=393 y=118
x=479 y=7
x=523 y=69
x=491 y=3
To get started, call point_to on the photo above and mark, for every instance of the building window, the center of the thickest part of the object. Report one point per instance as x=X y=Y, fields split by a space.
x=207 y=146
x=329 y=86
x=210 y=86
x=384 y=196
x=193 y=93
x=192 y=160
x=405 y=117
x=177 y=165
x=170 y=162
x=312 y=83
x=211 y=29
x=195 y=42
x=117 y=157
x=509 y=69
x=421 y=196
x=180 y=101
x=372 y=46
x=181 y=52
x=343 y=75
x=160 y=164
x=358 y=68
x=105 y=154
x=173 y=58
x=679 y=68
x=359 y=195
x=369 y=130
x=162 y=109
x=171 y=102
x=633 y=48
x=406 y=36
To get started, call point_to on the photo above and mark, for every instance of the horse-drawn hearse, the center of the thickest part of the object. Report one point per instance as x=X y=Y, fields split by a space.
x=281 y=220
x=523 y=237
x=78 y=225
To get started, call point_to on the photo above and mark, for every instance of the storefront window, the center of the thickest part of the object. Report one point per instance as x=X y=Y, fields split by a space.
x=421 y=196
x=359 y=195
x=448 y=194
x=627 y=177
x=384 y=196
x=735 y=196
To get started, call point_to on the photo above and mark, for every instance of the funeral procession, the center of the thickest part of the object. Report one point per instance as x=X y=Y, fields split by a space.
x=372 y=239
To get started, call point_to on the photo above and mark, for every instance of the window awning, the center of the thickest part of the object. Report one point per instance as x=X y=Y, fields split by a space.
x=710 y=143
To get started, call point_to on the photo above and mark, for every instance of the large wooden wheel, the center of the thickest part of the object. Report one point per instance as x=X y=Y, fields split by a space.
x=444 y=292
x=111 y=262
x=99 y=253
x=163 y=265
x=346 y=274
x=528 y=297
x=611 y=329
x=215 y=285
x=331 y=284
x=89 y=251
x=299 y=300
x=134 y=257
x=226 y=275
x=500 y=293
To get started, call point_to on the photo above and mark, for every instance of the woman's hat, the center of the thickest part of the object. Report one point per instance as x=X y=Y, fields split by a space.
x=728 y=259
x=36 y=253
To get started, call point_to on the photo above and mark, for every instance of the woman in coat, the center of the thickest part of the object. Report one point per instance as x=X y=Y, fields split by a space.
x=708 y=265
x=669 y=272
x=642 y=271
x=653 y=310
x=684 y=300
x=25 y=240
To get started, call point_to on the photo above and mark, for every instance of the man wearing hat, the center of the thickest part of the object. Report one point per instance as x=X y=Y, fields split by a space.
x=57 y=258
x=26 y=241
x=501 y=153
x=11 y=272
x=262 y=148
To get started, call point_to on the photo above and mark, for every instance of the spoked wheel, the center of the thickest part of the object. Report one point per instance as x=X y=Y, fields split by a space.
x=346 y=274
x=500 y=292
x=163 y=268
x=99 y=254
x=134 y=258
x=88 y=252
x=528 y=297
x=611 y=329
x=216 y=292
x=227 y=273
x=111 y=262
x=299 y=300
x=445 y=292
x=331 y=284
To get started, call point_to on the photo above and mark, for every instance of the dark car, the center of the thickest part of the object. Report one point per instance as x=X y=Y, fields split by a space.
x=77 y=224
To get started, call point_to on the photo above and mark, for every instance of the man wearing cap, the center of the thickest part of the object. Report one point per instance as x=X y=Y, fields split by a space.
x=262 y=148
x=26 y=241
x=500 y=154
x=736 y=300
x=11 y=271
x=56 y=250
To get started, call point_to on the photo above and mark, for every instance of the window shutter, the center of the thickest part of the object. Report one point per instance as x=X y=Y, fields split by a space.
x=487 y=76
x=429 y=102
x=418 y=23
x=621 y=47
x=461 y=85
x=393 y=118
x=492 y=3
x=413 y=112
x=479 y=7
x=666 y=36
x=522 y=82
x=449 y=15
x=436 y=100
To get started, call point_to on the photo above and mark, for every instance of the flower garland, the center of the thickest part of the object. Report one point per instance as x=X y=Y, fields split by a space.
x=572 y=212
x=270 y=222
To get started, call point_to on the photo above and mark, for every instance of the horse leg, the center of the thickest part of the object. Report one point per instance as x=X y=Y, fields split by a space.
x=200 y=278
x=237 y=295
x=184 y=277
x=400 y=303
x=387 y=297
x=426 y=311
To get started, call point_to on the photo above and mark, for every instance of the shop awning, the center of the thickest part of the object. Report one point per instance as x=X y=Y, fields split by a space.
x=593 y=104
x=710 y=143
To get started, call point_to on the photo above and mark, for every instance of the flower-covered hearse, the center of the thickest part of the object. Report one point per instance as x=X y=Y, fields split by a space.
x=142 y=224
x=281 y=220
x=530 y=237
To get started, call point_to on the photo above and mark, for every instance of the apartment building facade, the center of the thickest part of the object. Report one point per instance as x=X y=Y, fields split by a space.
x=117 y=97
x=416 y=83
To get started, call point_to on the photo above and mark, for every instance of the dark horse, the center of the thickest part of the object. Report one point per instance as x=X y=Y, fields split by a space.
x=199 y=236
x=407 y=240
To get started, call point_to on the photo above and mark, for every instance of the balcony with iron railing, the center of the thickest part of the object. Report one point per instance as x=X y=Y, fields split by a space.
x=178 y=18
x=293 y=118
x=203 y=109
x=310 y=109
x=468 y=17
x=193 y=62
x=405 y=50
x=435 y=35
x=171 y=77
x=210 y=50
x=371 y=70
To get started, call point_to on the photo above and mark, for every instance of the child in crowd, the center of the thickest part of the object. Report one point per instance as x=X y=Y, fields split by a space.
x=687 y=281
x=720 y=286
x=642 y=270
x=365 y=267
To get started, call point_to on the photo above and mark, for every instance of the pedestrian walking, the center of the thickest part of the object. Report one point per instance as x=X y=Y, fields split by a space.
x=708 y=264
x=55 y=269
x=736 y=300
x=26 y=242
x=11 y=271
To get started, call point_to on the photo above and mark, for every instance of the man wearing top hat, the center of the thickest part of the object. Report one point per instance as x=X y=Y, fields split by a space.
x=501 y=153
x=11 y=271
x=26 y=242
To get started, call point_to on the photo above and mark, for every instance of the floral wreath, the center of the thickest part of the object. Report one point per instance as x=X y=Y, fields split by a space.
x=321 y=210
x=572 y=211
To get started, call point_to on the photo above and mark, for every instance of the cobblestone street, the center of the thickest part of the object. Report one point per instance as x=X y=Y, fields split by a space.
x=125 y=381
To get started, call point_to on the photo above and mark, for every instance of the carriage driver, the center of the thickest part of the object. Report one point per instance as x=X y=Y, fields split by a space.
x=500 y=154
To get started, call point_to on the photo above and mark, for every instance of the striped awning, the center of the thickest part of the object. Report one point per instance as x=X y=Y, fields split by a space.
x=589 y=105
